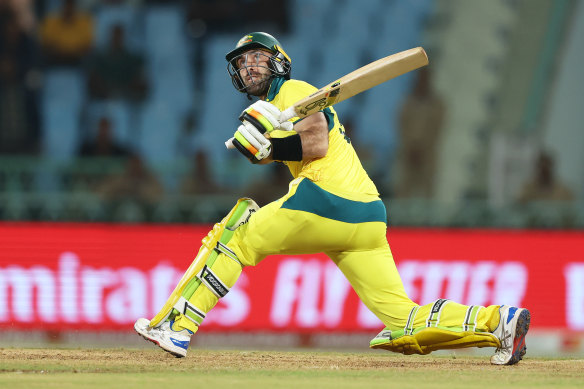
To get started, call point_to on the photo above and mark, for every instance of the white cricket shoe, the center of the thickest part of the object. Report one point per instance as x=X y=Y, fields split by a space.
x=174 y=342
x=511 y=331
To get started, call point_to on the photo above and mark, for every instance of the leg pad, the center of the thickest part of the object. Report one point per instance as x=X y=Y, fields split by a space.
x=199 y=271
x=189 y=311
x=426 y=340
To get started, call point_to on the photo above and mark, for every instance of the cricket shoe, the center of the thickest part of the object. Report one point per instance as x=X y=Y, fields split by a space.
x=174 y=342
x=511 y=331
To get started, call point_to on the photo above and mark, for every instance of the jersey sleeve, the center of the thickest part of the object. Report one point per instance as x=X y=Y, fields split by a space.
x=292 y=91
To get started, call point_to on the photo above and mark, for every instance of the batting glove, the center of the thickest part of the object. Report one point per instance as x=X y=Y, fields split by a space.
x=265 y=117
x=259 y=118
x=251 y=142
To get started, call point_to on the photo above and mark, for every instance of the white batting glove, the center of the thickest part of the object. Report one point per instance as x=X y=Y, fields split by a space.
x=268 y=116
x=265 y=117
x=251 y=142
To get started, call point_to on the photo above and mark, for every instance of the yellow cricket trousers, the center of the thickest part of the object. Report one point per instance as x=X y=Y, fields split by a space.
x=353 y=234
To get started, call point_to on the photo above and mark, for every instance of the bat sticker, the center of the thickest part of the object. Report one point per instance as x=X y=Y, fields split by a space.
x=314 y=104
x=334 y=92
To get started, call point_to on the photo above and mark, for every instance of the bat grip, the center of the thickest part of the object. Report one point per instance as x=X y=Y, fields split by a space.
x=229 y=143
x=287 y=114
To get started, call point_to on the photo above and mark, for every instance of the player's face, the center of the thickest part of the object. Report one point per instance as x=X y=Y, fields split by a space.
x=254 y=69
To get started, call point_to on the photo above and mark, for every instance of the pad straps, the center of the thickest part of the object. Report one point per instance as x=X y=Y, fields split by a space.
x=194 y=314
x=434 y=317
x=221 y=248
x=211 y=281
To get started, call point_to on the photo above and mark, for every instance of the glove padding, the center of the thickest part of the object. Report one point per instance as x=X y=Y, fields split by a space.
x=265 y=117
x=257 y=119
x=251 y=142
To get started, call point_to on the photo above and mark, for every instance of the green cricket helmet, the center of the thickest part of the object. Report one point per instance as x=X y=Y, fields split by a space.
x=279 y=62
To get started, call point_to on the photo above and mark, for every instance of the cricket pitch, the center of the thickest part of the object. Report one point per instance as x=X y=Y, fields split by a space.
x=139 y=368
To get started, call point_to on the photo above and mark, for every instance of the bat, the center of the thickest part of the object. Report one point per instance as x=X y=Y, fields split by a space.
x=357 y=81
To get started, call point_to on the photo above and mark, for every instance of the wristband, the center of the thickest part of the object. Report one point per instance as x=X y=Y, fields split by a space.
x=287 y=149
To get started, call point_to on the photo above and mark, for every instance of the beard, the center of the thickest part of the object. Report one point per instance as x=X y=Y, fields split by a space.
x=260 y=87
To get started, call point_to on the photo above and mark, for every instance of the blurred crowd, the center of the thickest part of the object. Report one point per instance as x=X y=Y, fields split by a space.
x=36 y=36
x=39 y=36
x=19 y=78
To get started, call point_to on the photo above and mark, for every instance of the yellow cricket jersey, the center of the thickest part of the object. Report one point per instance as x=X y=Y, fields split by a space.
x=340 y=172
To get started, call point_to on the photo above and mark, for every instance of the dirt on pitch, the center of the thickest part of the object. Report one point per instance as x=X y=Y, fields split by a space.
x=138 y=360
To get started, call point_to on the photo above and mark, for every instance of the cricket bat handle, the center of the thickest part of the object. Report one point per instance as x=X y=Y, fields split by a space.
x=287 y=114
x=229 y=143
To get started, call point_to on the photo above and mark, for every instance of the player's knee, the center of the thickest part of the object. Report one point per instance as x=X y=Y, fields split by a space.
x=215 y=268
x=220 y=265
x=218 y=243
x=243 y=211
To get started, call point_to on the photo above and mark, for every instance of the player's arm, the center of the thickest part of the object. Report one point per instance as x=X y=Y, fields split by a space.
x=313 y=132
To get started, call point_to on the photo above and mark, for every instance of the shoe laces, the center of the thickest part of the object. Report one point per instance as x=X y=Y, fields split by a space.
x=156 y=329
x=505 y=343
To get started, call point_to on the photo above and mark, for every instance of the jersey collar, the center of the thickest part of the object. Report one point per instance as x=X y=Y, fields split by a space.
x=275 y=86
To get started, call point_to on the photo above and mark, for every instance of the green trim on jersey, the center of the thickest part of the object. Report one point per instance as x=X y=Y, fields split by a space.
x=330 y=118
x=309 y=197
x=275 y=86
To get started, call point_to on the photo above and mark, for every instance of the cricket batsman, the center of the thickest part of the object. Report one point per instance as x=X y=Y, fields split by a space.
x=332 y=206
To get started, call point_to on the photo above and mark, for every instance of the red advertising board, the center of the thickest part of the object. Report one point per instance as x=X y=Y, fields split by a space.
x=100 y=276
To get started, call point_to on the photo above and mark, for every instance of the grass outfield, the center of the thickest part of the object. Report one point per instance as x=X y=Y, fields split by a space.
x=138 y=368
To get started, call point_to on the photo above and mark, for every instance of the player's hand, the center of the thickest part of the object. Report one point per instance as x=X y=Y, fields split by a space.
x=251 y=142
x=265 y=117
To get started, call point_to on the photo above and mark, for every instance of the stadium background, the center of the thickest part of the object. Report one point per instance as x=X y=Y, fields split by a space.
x=494 y=149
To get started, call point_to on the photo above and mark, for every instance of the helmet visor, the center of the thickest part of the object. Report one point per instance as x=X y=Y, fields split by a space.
x=252 y=71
